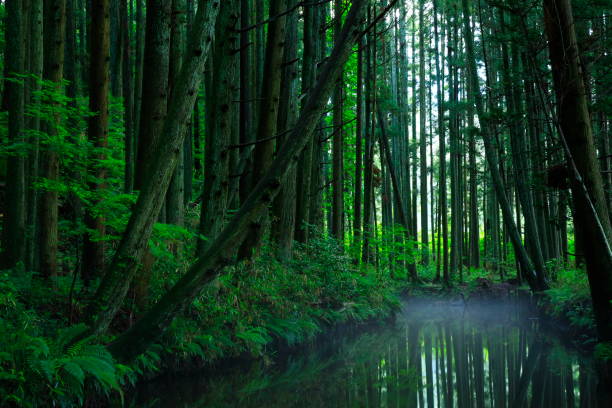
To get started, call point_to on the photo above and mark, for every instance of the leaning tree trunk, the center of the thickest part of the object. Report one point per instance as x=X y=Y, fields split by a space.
x=519 y=152
x=212 y=262
x=592 y=219
x=115 y=284
x=536 y=280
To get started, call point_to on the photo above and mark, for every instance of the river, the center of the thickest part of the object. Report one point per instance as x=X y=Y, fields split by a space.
x=431 y=354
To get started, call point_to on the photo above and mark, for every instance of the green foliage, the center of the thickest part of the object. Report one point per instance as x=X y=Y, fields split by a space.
x=265 y=301
x=569 y=297
x=45 y=370
x=603 y=351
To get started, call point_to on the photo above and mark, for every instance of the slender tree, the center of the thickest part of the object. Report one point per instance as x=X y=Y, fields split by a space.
x=97 y=131
x=14 y=227
x=54 y=36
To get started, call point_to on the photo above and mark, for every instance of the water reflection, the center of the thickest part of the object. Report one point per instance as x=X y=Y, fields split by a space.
x=440 y=355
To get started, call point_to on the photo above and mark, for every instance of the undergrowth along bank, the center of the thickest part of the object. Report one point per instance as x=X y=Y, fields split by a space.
x=256 y=305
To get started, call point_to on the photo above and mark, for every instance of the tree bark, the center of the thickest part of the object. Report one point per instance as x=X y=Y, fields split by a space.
x=36 y=69
x=268 y=112
x=284 y=204
x=592 y=219
x=154 y=99
x=114 y=286
x=97 y=131
x=14 y=228
x=212 y=262
x=54 y=35
x=220 y=116
x=536 y=281
x=423 y=137
x=304 y=169
x=128 y=97
x=175 y=198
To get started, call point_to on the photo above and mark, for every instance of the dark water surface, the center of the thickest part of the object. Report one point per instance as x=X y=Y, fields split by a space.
x=440 y=354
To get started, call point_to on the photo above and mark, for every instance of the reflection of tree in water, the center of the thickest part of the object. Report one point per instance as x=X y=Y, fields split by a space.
x=475 y=356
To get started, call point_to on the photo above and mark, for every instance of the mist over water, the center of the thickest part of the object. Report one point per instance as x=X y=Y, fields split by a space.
x=447 y=353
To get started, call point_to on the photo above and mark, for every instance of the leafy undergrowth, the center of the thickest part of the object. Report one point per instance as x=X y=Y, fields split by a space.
x=259 y=304
x=569 y=299
x=252 y=309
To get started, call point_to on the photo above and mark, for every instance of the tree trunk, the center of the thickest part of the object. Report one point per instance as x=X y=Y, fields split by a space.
x=592 y=219
x=54 y=35
x=97 y=131
x=128 y=97
x=114 y=286
x=337 y=227
x=14 y=228
x=304 y=169
x=536 y=281
x=155 y=94
x=36 y=69
x=247 y=88
x=357 y=194
x=519 y=152
x=212 y=262
x=284 y=204
x=221 y=113
x=175 y=198
x=268 y=112
x=423 y=137
x=138 y=74
x=442 y=142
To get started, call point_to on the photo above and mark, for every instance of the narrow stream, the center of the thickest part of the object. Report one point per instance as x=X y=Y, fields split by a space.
x=442 y=354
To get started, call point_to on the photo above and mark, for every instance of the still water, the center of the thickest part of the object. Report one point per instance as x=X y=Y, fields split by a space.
x=432 y=354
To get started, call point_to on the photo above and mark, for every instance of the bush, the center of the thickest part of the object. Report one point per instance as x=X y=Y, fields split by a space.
x=569 y=297
x=38 y=370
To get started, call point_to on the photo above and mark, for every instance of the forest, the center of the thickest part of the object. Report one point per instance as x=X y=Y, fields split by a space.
x=194 y=185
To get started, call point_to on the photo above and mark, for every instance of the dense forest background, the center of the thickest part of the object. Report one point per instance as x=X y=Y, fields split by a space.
x=200 y=178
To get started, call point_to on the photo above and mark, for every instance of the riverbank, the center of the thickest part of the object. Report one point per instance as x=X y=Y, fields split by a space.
x=565 y=307
x=432 y=351
x=251 y=312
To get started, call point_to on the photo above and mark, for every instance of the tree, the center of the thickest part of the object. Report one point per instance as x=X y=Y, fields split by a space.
x=423 y=135
x=14 y=228
x=592 y=221
x=211 y=263
x=268 y=112
x=97 y=131
x=114 y=286
x=534 y=277
x=285 y=202
x=53 y=70
x=337 y=225
x=220 y=115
